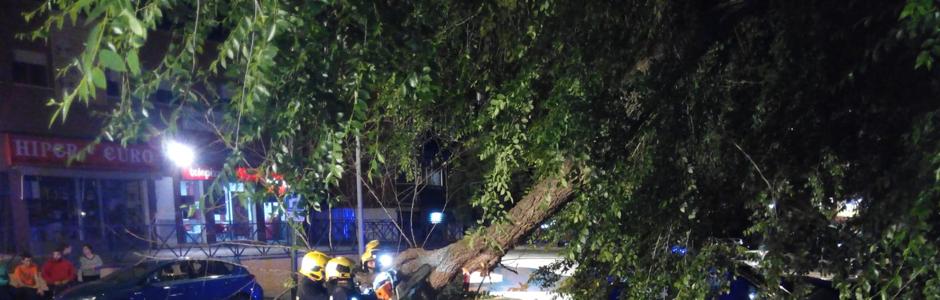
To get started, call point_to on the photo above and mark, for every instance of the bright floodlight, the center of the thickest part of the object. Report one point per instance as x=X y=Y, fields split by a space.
x=386 y=260
x=181 y=155
x=437 y=217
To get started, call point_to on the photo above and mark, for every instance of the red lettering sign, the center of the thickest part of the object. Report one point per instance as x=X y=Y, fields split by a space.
x=43 y=151
x=197 y=173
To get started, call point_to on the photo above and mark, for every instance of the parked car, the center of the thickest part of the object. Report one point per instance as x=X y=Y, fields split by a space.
x=747 y=284
x=172 y=279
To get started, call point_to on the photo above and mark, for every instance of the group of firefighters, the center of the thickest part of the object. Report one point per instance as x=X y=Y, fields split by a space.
x=332 y=278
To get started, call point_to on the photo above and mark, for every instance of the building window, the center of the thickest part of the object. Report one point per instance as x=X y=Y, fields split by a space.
x=163 y=96
x=30 y=67
x=114 y=84
x=435 y=178
x=225 y=93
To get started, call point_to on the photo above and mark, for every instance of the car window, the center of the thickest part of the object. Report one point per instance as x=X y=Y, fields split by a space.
x=132 y=274
x=218 y=268
x=198 y=268
x=174 y=271
x=212 y=268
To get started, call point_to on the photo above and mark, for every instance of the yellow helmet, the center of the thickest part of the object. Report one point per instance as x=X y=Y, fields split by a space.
x=370 y=247
x=312 y=265
x=339 y=267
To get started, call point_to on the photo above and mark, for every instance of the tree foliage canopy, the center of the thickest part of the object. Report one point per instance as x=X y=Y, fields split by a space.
x=686 y=122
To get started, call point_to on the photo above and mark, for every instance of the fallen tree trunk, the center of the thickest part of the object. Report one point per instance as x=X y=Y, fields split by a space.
x=483 y=252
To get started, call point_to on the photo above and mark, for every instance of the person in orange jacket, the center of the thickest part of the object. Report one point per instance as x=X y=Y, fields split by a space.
x=58 y=272
x=25 y=280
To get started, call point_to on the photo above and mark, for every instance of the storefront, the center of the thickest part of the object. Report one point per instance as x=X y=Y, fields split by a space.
x=105 y=200
x=119 y=199
x=227 y=214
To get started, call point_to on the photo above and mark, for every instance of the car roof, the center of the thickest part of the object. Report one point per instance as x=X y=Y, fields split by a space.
x=159 y=262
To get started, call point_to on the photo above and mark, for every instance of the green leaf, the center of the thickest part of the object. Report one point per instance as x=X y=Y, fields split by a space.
x=97 y=76
x=133 y=62
x=91 y=41
x=272 y=31
x=111 y=60
x=95 y=13
x=134 y=24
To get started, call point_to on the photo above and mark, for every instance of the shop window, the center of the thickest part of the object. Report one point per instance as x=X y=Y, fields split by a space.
x=225 y=216
x=192 y=212
x=51 y=205
x=30 y=67
x=237 y=221
x=90 y=214
x=123 y=205
x=276 y=227
x=69 y=210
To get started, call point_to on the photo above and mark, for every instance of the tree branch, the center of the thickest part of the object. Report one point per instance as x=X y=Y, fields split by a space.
x=483 y=252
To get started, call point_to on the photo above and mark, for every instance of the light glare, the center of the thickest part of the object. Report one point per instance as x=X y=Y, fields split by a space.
x=437 y=217
x=386 y=260
x=181 y=155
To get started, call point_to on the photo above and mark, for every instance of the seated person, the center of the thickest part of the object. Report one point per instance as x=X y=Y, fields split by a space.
x=58 y=272
x=26 y=280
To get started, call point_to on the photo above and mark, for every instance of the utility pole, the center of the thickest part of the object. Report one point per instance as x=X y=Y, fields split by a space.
x=360 y=232
x=293 y=258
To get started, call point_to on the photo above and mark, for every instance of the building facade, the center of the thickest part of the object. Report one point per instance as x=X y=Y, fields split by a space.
x=132 y=198
x=116 y=197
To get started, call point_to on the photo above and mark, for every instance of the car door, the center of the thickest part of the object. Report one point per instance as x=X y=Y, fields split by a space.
x=219 y=280
x=171 y=282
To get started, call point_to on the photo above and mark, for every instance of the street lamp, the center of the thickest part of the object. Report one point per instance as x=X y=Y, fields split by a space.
x=181 y=154
x=436 y=217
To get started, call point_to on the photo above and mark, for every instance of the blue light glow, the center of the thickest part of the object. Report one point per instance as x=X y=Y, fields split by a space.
x=679 y=250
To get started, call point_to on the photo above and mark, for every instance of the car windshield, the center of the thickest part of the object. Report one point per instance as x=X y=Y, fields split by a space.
x=135 y=273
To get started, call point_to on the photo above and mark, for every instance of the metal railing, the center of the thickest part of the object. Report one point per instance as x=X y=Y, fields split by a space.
x=124 y=243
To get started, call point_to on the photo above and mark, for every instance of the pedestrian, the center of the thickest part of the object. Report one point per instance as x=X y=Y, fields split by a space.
x=89 y=264
x=25 y=280
x=269 y=229
x=67 y=253
x=58 y=272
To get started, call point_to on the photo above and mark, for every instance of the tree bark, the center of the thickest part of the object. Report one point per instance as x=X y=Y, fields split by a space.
x=473 y=253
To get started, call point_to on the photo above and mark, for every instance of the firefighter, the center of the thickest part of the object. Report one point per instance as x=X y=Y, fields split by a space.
x=366 y=271
x=368 y=257
x=312 y=284
x=339 y=278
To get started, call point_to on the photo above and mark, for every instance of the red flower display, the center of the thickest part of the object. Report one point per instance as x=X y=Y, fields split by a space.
x=243 y=175
x=276 y=180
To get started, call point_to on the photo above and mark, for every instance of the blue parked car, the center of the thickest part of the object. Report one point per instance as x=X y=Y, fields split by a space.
x=172 y=279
